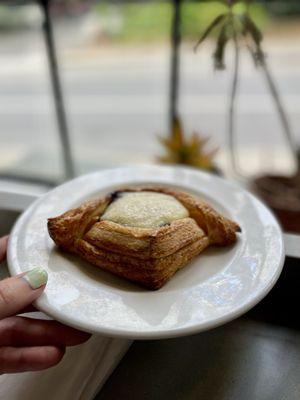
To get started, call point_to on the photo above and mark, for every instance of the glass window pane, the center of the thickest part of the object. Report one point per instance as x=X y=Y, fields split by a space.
x=28 y=132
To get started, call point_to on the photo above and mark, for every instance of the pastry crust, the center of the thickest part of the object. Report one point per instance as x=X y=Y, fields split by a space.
x=146 y=256
x=144 y=243
x=151 y=273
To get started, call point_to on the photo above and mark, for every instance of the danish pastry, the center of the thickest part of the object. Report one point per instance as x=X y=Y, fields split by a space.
x=143 y=234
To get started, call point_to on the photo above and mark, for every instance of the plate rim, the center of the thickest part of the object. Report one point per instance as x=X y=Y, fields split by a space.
x=41 y=305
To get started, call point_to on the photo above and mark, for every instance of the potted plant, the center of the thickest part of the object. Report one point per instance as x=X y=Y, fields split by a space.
x=281 y=193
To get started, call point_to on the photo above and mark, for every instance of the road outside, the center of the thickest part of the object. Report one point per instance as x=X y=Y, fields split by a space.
x=117 y=102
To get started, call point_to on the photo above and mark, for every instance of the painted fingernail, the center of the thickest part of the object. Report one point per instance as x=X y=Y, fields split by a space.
x=36 y=277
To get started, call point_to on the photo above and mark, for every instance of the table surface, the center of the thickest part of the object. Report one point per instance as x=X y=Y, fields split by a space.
x=256 y=357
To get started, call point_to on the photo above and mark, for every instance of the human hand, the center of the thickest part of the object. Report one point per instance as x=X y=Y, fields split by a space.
x=28 y=344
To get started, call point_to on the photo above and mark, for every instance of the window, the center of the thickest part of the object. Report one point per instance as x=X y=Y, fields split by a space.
x=114 y=66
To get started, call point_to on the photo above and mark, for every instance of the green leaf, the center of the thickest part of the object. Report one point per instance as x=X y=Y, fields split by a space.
x=251 y=28
x=210 y=27
x=220 y=48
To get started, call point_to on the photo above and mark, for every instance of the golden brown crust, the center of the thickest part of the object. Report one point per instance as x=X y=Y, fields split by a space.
x=142 y=243
x=151 y=273
x=66 y=228
x=147 y=256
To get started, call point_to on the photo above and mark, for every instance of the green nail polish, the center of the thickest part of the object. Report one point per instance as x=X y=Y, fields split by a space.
x=36 y=277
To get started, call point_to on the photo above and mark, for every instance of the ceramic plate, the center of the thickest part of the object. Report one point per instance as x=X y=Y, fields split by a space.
x=219 y=285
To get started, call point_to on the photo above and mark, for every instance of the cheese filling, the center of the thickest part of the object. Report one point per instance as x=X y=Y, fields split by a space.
x=144 y=210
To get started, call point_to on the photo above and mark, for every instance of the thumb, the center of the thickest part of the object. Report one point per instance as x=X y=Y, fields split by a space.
x=18 y=292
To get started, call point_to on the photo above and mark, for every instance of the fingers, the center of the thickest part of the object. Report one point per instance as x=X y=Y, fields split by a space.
x=3 y=247
x=21 y=331
x=18 y=292
x=20 y=359
x=28 y=309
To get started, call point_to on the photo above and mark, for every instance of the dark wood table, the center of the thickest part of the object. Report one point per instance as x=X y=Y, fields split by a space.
x=256 y=357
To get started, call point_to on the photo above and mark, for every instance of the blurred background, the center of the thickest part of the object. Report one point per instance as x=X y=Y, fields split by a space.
x=114 y=62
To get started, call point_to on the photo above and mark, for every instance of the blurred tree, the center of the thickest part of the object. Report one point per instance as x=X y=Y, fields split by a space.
x=236 y=25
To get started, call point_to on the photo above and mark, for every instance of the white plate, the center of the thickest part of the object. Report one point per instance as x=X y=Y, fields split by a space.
x=219 y=285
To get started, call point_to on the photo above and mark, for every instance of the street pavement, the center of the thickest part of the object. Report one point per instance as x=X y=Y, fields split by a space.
x=117 y=103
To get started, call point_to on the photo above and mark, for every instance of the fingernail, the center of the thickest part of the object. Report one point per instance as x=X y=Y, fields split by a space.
x=36 y=277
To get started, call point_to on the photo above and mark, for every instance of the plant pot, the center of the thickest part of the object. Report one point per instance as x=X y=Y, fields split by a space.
x=282 y=195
